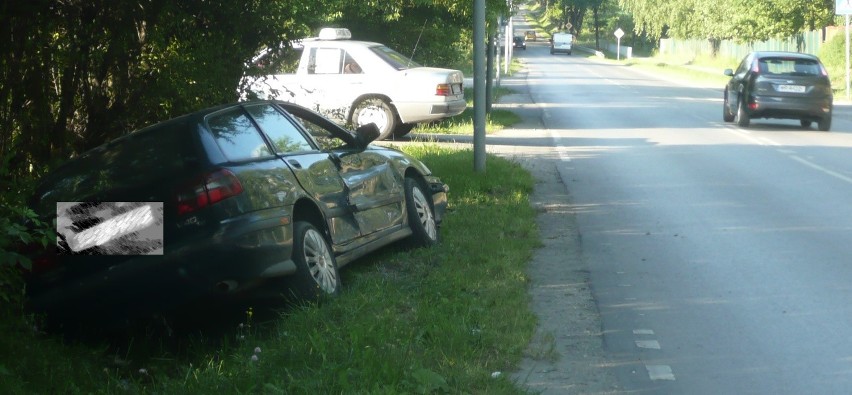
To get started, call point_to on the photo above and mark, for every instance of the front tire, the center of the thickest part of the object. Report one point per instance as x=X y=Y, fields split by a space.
x=375 y=110
x=421 y=217
x=727 y=115
x=316 y=270
x=742 y=117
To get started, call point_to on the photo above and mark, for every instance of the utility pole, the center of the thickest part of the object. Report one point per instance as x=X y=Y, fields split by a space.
x=479 y=86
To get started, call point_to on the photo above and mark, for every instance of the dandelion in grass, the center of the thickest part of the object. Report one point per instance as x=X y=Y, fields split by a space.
x=254 y=358
x=257 y=350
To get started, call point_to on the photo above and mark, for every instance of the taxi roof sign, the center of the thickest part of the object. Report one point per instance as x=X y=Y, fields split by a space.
x=333 y=33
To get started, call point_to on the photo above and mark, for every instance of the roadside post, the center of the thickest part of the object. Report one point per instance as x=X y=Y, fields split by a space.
x=844 y=7
x=479 y=72
x=618 y=35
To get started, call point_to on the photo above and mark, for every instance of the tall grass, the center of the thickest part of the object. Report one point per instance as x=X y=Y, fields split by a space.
x=434 y=320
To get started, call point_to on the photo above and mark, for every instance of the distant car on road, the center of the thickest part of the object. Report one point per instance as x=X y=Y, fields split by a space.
x=561 y=42
x=787 y=85
x=530 y=35
x=519 y=42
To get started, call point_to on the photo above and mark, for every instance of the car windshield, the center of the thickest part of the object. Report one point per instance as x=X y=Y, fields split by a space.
x=393 y=58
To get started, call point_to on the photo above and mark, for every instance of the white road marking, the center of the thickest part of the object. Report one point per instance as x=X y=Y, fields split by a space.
x=791 y=154
x=660 y=372
x=649 y=344
x=821 y=169
x=643 y=332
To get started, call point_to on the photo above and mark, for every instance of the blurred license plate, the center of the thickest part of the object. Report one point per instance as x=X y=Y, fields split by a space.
x=791 y=88
x=457 y=89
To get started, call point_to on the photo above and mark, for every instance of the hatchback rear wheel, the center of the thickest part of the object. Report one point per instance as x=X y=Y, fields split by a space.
x=742 y=117
x=316 y=269
x=824 y=124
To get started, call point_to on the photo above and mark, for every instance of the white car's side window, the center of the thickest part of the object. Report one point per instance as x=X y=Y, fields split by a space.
x=327 y=60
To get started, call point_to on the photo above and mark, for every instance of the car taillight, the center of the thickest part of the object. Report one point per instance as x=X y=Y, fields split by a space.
x=755 y=67
x=206 y=190
x=823 y=70
x=444 y=90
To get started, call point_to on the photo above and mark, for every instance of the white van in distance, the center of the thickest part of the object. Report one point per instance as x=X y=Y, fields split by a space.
x=561 y=42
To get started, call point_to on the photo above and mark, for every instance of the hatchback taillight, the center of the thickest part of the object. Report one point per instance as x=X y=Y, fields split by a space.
x=206 y=190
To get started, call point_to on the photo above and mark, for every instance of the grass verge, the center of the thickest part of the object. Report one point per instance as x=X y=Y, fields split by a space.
x=432 y=320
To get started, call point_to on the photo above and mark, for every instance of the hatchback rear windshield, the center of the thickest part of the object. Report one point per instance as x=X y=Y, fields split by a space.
x=789 y=67
x=158 y=152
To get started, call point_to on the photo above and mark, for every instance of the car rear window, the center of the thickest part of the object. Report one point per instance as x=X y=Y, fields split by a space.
x=129 y=162
x=393 y=58
x=284 y=135
x=237 y=136
x=789 y=66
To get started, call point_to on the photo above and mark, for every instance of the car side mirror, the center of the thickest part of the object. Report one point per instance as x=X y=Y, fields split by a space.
x=728 y=72
x=366 y=134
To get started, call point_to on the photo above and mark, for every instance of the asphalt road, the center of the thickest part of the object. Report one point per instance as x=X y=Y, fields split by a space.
x=720 y=258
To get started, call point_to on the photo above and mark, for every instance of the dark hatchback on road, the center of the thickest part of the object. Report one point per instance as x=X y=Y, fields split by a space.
x=254 y=199
x=786 y=85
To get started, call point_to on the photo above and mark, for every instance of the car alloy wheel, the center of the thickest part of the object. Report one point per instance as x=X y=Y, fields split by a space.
x=375 y=110
x=421 y=219
x=315 y=265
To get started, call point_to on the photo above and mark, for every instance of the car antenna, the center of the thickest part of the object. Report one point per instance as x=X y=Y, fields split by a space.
x=410 y=58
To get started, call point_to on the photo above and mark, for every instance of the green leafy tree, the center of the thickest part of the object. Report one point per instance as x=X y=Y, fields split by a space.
x=728 y=19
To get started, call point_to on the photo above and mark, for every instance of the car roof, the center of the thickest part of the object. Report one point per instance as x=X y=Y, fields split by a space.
x=340 y=43
x=773 y=54
x=185 y=120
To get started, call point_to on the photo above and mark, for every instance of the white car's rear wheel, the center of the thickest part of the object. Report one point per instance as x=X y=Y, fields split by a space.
x=375 y=110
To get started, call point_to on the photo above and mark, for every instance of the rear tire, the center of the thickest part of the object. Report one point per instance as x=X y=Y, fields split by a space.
x=375 y=110
x=742 y=117
x=403 y=129
x=316 y=270
x=824 y=124
x=421 y=217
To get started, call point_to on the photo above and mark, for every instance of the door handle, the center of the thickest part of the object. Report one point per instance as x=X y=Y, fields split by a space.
x=294 y=163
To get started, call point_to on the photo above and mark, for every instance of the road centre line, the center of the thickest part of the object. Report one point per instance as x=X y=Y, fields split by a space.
x=790 y=154
x=821 y=169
